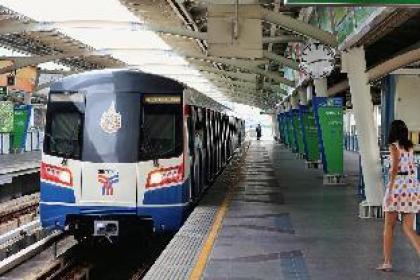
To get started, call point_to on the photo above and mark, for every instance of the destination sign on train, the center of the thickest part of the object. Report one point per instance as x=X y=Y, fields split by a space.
x=353 y=2
x=162 y=99
x=67 y=97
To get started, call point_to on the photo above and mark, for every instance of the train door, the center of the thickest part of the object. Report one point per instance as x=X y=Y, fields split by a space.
x=193 y=153
x=207 y=147
x=201 y=156
x=219 y=142
x=212 y=145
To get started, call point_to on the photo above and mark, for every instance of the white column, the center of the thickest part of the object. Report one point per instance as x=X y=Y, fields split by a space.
x=309 y=92
x=321 y=87
x=354 y=64
x=348 y=120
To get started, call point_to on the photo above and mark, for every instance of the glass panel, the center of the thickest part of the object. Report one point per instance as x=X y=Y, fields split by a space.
x=64 y=134
x=162 y=132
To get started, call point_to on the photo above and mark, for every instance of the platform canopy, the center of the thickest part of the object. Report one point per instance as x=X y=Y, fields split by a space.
x=233 y=51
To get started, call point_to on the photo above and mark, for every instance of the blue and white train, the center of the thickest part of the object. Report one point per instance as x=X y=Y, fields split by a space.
x=123 y=147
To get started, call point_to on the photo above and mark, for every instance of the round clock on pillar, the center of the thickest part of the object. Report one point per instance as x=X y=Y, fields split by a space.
x=317 y=60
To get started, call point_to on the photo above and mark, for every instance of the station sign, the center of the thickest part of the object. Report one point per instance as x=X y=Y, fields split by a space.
x=353 y=2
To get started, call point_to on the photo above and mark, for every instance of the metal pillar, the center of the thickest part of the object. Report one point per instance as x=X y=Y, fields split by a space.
x=354 y=64
x=321 y=87
x=299 y=27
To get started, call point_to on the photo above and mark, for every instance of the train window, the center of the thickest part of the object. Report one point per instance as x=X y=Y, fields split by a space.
x=64 y=126
x=63 y=135
x=161 y=133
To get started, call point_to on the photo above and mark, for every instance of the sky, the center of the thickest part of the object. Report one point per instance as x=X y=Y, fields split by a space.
x=159 y=60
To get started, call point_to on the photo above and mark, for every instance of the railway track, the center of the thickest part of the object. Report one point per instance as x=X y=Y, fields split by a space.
x=29 y=252
x=18 y=211
x=61 y=257
x=127 y=260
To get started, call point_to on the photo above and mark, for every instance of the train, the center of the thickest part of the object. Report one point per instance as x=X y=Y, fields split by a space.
x=125 y=148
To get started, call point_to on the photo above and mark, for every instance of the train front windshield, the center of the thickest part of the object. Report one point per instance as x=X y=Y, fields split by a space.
x=123 y=127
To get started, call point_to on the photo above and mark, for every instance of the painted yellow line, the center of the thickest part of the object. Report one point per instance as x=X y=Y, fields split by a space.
x=211 y=238
x=209 y=243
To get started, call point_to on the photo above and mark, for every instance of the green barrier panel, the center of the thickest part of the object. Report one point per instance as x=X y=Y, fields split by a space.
x=20 y=127
x=311 y=135
x=6 y=116
x=331 y=122
x=298 y=132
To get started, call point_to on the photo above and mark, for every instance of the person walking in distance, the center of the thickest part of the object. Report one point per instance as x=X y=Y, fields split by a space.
x=402 y=195
x=258 y=130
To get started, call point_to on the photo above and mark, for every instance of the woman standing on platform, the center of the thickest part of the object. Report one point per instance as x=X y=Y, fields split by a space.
x=402 y=194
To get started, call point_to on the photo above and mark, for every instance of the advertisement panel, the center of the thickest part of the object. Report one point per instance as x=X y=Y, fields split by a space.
x=329 y=118
x=298 y=132
x=310 y=134
x=6 y=116
x=21 y=118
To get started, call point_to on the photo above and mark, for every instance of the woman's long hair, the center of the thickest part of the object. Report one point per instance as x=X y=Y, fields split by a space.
x=399 y=133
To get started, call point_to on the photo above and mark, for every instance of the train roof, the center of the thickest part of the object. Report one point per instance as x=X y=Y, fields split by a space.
x=130 y=80
x=123 y=80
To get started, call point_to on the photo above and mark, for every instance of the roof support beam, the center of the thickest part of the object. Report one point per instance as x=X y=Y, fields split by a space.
x=282 y=60
x=230 y=74
x=19 y=27
x=188 y=20
x=283 y=39
x=12 y=26
x=381 y=70
x=299 y=27
x=250 y=66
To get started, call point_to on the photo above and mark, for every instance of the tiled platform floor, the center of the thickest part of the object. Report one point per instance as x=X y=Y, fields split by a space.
x=282 y=223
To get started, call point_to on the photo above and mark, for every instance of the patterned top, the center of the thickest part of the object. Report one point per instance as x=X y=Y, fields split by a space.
x=405 y=194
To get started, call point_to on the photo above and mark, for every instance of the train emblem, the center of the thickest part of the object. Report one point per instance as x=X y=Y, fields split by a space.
x=108 y=177
x=111 y=120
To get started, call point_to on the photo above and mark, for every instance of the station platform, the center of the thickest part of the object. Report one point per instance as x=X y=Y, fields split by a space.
x=268 y=217
x=12 y=165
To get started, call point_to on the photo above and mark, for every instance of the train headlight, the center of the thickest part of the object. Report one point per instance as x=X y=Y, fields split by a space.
x=165 y=176
x=156 y=178
x=65 y=177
